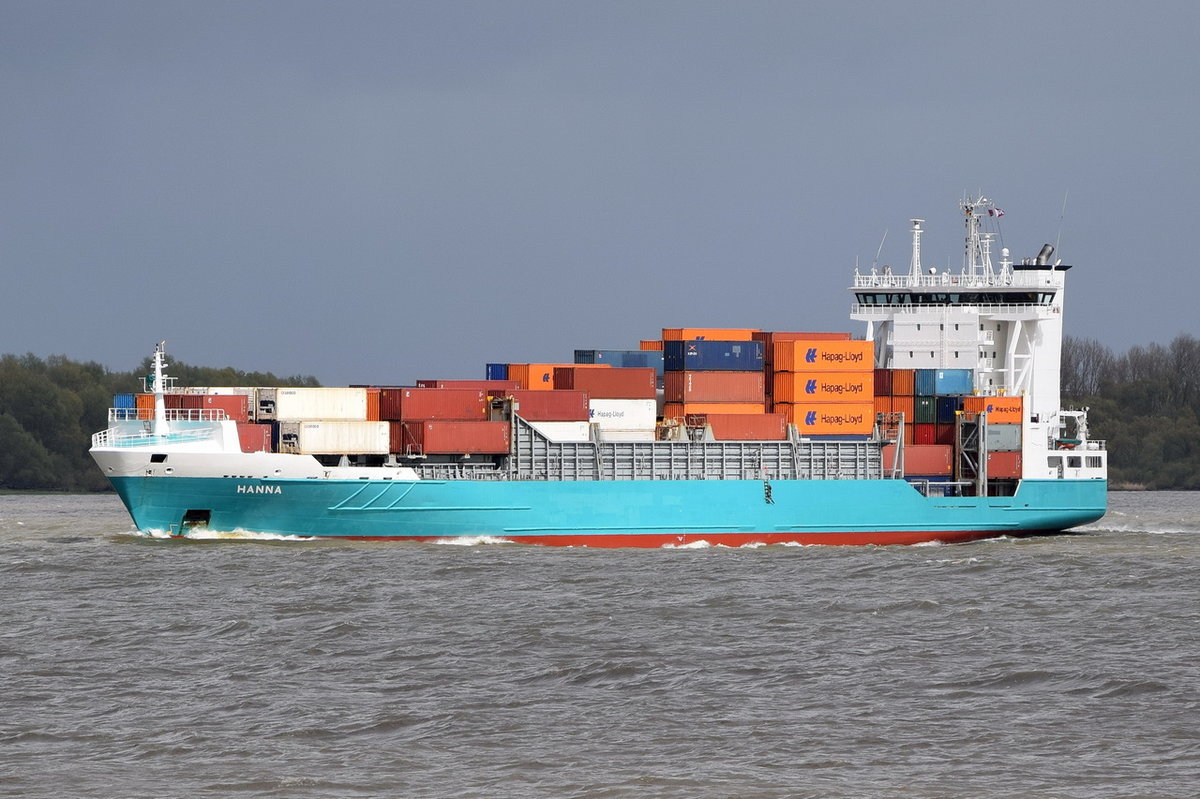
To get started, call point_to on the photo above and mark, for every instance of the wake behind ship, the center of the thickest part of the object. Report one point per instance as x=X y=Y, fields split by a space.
x=943 y=423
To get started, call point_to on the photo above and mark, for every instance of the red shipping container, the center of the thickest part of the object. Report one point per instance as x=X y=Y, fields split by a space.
x=495 y=388
x=1003 y=465
x=713 y=387
x=924 y=434
x=550 y=406
x=883 y=381
x=747 y=426
x=929 y=460
x=236 y=406
x=254 y=437
x=421 y=404
x=945 y=433
x=616 y=383
x=450 y=438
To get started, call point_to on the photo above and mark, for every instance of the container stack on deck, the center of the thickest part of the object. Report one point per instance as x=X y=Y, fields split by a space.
x=730 y=384
x=824 y=387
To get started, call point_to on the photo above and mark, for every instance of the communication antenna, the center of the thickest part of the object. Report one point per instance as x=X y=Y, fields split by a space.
x=1060 y=220
x=877 y=252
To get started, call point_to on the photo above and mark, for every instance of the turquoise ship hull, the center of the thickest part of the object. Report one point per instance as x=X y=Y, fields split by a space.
x=609 y=513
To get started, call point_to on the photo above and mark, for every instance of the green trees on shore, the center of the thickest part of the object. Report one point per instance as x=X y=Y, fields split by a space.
x=1145 y=403
x=50 y=407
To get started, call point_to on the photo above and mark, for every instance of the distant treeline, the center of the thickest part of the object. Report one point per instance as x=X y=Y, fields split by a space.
x=50 y=407
x=1145 y=403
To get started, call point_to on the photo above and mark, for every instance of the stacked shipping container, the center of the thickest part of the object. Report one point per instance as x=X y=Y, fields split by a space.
x=824 y=386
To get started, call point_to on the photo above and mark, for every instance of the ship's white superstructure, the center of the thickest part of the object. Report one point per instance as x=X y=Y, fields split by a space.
x=1004 y=323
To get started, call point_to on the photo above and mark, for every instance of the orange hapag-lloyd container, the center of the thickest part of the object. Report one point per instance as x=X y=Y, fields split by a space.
x=713 y=387
x=708 y=333
x=999 y=410
x=811 y=386
x=822 y=355
x=678 y=410
x=830 y=418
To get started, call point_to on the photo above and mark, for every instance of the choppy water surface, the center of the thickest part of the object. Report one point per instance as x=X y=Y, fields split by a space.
x=1066 y=666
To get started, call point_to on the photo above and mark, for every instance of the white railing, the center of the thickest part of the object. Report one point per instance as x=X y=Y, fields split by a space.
x=1038 y=311
x=116 y=437
x=173 y=415
x=1018 y=278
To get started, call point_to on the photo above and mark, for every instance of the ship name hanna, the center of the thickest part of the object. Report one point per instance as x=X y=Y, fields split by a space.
x=246 y=489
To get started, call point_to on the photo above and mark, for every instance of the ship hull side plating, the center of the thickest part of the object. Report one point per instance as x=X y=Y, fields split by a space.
x=632 y=513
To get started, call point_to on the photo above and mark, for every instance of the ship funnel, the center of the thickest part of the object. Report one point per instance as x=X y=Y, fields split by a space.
x=1043 y=257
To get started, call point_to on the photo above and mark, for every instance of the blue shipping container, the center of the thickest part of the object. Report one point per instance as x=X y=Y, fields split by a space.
x=713 y=356
x=944 y=382
x=947 y=407
x=124 y=401
x=497 y=371
x=625 y=359
x=954 y=382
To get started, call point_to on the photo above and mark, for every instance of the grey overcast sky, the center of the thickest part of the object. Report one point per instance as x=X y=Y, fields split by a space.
x=386 y=191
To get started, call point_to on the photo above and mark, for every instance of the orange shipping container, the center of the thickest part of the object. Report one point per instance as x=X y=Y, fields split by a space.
x=373 y=404
x=540 y=376
x=830 y=418
x=708 y=333
x=678 y=410
x=823 y=355
x=651 y=344
x=1000 y=410
x=713 y=386
x=824 y=386
x=883 y=404
x=906 y=406
x=747 y=426
x=904 y=382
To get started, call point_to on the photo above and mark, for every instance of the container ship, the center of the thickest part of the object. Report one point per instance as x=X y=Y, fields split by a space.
x=941 y=422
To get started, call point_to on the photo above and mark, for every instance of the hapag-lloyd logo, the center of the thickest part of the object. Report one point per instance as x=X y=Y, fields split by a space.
x=813 y=355
x=249 y=489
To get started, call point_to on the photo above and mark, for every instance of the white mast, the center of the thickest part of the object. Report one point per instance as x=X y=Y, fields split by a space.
x=160 y=405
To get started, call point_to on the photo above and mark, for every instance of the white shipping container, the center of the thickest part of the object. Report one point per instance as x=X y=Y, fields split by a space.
x=626 y=435
x=564 y=431
x=220 y=391
x=624 y=414
x=299 y=404
x=335 y=437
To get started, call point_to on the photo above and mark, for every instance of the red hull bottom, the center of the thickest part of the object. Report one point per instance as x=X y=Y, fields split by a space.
x=655 y=541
